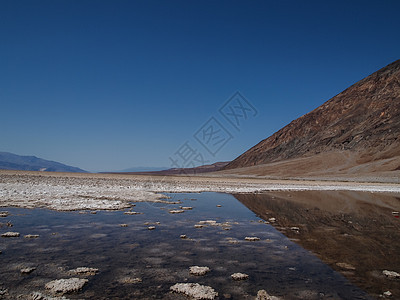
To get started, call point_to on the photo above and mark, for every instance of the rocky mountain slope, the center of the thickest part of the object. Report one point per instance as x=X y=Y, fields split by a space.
x=359 y=126
x=10 y=161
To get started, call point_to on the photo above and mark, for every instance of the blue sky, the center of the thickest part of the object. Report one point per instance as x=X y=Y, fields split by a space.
x=108 y=85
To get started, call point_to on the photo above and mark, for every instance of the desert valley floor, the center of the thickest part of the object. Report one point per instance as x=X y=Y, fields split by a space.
x=139 y=237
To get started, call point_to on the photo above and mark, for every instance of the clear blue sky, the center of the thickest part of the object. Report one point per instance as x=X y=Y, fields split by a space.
x=108 y=85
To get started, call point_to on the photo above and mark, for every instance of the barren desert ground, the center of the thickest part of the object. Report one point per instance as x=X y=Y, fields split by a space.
x=76 y=191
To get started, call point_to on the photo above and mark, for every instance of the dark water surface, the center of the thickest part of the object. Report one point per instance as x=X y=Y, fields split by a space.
x=160 y=257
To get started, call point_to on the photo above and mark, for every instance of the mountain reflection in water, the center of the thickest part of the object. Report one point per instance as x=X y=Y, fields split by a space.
x=356 y=233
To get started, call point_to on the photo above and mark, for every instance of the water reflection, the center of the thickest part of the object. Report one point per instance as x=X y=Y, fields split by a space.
x=160 y=257
x=354 y=232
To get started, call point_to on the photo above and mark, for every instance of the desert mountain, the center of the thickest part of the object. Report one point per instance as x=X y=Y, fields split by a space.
x=10 y=161
x=181 y=171
x=356 y=132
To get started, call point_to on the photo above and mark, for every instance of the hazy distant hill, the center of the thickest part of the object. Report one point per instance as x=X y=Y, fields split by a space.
x=355 y=132
x=143 y=169
x=10 y=161
x=182 y=171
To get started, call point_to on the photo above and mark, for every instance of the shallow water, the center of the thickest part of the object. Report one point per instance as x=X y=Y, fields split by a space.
x=160 y=257
x=357 y=233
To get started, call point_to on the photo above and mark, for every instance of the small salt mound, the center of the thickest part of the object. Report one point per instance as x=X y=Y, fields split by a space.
x=239 y=276
x=199 y=271
x=195 y=290
x=66 y=285
x=10 y=234
x=251 y=238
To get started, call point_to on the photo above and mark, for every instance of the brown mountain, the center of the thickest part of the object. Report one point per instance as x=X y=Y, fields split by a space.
x=355 y=133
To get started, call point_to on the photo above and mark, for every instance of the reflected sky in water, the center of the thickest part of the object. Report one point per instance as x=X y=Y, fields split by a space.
x=160 y=257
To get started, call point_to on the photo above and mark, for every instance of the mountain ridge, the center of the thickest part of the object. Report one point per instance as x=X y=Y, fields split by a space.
x=11 y=161
x=363 y=119
x=180 y=171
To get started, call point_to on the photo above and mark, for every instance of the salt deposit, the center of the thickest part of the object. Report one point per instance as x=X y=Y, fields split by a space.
x=195 y=290
x=61 y=191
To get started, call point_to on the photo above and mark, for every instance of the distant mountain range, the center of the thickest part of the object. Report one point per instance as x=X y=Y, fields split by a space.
x=10 y=161
x=355 y=133
x=179 y=171
x=143 y=169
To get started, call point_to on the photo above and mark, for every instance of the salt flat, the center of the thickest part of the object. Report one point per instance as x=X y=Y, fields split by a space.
x=77 y=191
